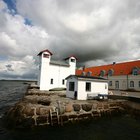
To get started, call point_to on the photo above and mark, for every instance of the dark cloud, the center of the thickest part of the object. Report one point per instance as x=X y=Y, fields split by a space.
x=9 y=67
x=26 y=76
x=91 y=29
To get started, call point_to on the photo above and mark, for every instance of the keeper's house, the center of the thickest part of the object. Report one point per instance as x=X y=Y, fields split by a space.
x=121 y=76
x=52 y=73
x=83 y=87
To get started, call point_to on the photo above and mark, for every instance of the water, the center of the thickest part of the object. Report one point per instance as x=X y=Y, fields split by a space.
x=116 y=128
x=10 y=93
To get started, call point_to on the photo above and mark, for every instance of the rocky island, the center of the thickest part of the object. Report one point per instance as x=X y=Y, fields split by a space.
x=51 y=108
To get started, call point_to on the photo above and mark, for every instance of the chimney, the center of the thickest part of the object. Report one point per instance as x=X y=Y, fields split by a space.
x=114 y=63
x=83 y=67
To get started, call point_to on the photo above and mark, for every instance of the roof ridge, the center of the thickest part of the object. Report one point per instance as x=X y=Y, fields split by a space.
x=114 y=64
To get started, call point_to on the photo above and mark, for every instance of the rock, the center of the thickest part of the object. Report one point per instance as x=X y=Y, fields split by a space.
x=45 y=102
x=68 y=107
x=73 y=116
x=28 y=111
x=30 y=99
x=76 y=107
x=87 y=107
x=42 y=119
x=94 y=106
x=64 y=118
x=61 y=110
x=27 y=123
x=44 y=110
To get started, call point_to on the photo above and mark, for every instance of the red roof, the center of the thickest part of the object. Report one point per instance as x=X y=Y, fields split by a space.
x=45 y=51
x=124 y=68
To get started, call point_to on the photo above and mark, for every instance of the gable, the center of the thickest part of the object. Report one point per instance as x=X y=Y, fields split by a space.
x=45 y=51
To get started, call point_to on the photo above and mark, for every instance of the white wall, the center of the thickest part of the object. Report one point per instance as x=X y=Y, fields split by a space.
x=56 y=72
x=81 y=93
x=96 y=88
x=44 y=71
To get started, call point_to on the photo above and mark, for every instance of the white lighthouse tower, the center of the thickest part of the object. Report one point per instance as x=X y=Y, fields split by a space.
x=52 y=73
x=44 y=62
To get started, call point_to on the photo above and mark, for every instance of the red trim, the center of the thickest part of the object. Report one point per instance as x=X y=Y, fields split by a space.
x=45 y=51
x=70 y=57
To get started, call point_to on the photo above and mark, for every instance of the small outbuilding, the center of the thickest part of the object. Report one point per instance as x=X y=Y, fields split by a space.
x=85 y=87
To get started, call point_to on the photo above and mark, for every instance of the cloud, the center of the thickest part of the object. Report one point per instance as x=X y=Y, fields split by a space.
x=97 y=32
x=93 y=30
x=19 y=68
x=19 y=43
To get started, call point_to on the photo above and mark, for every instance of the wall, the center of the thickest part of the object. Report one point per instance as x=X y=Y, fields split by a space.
x=44 y=71
x=124 y=82
x=56 y=72
x=136 y=80
x=96 y=88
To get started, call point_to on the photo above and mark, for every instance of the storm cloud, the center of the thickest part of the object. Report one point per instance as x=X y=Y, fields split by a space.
x=95 y=31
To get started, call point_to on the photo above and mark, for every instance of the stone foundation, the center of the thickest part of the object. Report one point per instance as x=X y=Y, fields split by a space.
x=36 y=109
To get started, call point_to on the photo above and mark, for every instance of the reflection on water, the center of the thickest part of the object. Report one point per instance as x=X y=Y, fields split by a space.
x=116 y=128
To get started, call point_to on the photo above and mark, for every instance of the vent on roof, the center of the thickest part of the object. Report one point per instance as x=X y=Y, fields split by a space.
x=114 y=63
x=102 y=73
x=89 y=73
x=83 y=73
x=83 y=67
x=110 y=72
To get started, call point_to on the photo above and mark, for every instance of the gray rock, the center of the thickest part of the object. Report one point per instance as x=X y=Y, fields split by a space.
x=87 y=107
x=76 y=107
x=45 y=102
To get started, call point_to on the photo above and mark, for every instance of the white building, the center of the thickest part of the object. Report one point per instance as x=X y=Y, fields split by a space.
x=81 y=87
x=121 y=76
x=52 y=74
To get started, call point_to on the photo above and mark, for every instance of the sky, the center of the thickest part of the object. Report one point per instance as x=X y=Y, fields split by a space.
x=97 y=32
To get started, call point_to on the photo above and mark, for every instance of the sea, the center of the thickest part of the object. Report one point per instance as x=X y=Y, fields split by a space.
x=122 y=127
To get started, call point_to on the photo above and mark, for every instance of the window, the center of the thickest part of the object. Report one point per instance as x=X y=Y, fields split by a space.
x=139 y=83
x=89 y=73
x=135 y=71
x=110 y=72
x=72 y=60
x=46 y=55
x=131 y=83
x=88 y=86
x=71 y=86
x=39 y=67
x=51 y=81
x=117 y=84
x=63 y=81
x=110 y=83
x=83 y=73
x=105 y=86
x=102 y=73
